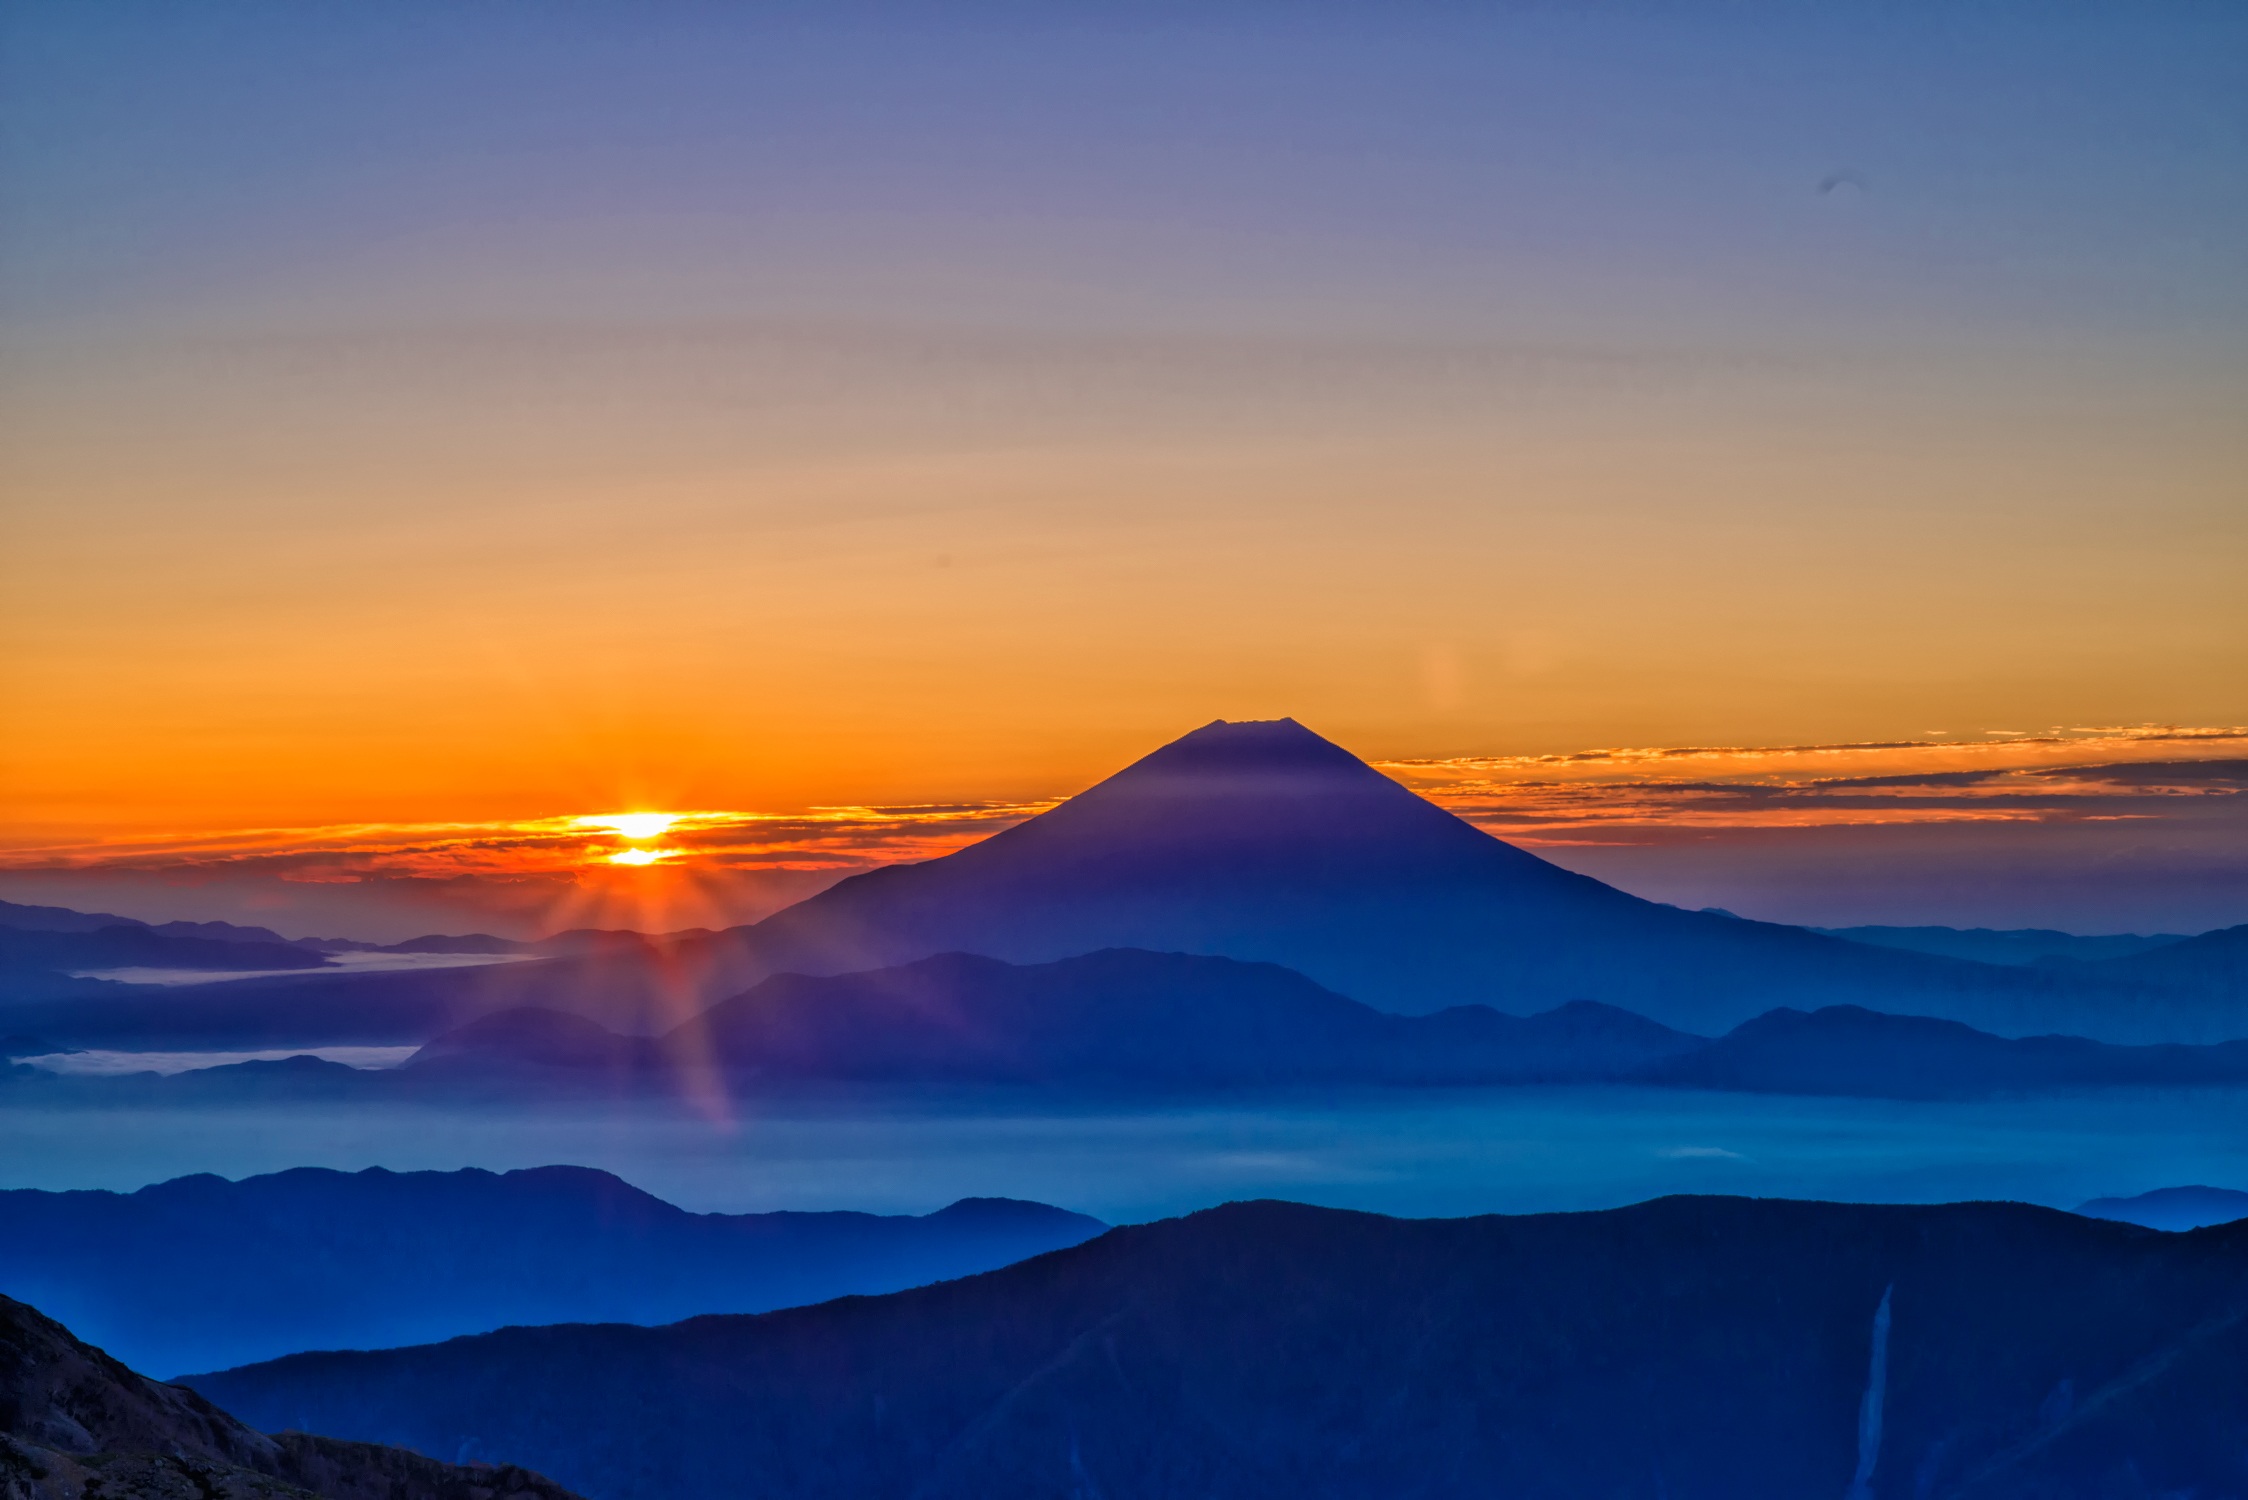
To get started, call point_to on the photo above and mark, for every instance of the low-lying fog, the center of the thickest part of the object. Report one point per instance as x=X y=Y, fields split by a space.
x=98 y=1062
x=1416 y=1153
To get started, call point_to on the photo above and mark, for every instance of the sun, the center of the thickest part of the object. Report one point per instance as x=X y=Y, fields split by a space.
x=635 y=825
x=640 y=856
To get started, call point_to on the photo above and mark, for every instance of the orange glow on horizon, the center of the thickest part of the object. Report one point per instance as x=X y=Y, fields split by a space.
x=717 y=867
x=635 y=826
x=1529 y=799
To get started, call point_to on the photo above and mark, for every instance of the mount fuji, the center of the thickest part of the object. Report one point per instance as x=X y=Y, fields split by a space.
x=1263 y=841
x=1257 y=841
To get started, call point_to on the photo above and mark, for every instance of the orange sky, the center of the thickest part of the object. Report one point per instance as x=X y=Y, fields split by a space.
x=392 y=615
x=396 y=432
x=2145 y=807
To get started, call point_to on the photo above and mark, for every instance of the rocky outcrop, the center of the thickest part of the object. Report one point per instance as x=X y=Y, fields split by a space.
x=77 y=1425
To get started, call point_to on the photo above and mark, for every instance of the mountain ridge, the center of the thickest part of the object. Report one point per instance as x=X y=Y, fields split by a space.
x=1124 y=1017
x=198 y=1271
x=1695 y=1347
x=2173 y=1208
x=1125 y=1020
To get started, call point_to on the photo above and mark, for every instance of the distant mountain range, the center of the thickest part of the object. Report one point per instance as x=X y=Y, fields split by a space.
x=1846 y=1050
x=1720 y=1349
x=2175 y=1208
x=60 y=985
x=1116 y=1017
x=139 y=946
x=1126 y=1019
x=2017 y=945
x=2211 y=967
x=54 y=942
x=200 y=1272
x=75 y=1424
x=63 y=919
x=1255 y=841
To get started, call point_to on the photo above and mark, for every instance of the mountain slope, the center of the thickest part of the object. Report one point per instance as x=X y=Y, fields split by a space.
x=2173 y=1208
x=2214 y=964
x=2016 y=945
x=75 y=1425
x=200 y=1271
x=1690 y=1348
x=1844 y=1049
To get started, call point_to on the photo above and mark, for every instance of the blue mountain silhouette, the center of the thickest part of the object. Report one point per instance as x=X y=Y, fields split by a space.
x=1693 y=1347
x=201 y=1271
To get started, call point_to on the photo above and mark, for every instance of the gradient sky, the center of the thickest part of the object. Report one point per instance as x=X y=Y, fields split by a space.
x=417 y=413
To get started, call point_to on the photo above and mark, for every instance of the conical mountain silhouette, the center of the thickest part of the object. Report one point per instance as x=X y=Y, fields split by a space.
x=1264 y=841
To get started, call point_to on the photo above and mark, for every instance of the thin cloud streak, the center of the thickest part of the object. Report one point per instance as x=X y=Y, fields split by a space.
x=1609 y=795
x=2141 y=773
x=842 y=838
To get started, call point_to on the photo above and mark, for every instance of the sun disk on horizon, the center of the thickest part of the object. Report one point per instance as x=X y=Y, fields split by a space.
x=635 y=826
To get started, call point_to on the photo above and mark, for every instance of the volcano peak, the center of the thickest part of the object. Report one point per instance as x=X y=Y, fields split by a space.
x=1249 y=746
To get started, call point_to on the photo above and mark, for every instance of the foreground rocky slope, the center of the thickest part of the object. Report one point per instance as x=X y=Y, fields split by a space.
x=77 y=1425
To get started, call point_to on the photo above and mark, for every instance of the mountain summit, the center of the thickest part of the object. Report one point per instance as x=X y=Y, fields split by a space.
x=1264 y=841
x=1264 y=801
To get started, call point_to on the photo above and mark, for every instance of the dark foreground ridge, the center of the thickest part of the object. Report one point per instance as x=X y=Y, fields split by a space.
x=1693 y=1348
x=77 y=1425
x=199 y=1271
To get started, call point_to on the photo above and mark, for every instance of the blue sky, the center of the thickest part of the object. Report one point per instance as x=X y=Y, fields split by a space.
x=2050 y=169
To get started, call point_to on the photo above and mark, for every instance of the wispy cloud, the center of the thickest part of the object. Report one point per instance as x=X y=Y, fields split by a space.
x=1591 y=796
x=815 y=839
x=1616 y=795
